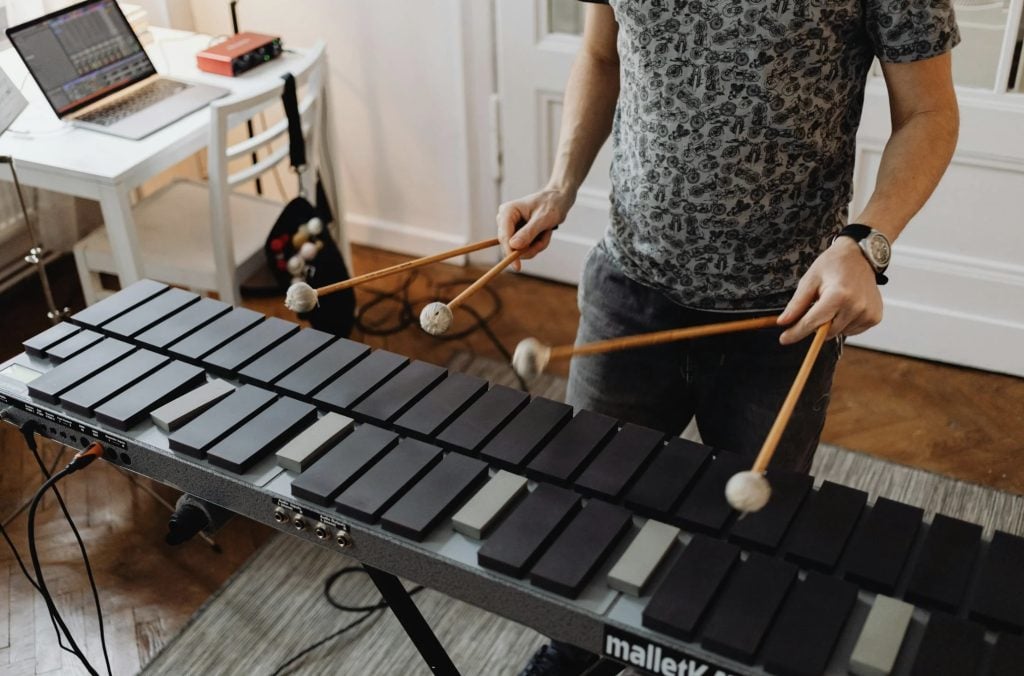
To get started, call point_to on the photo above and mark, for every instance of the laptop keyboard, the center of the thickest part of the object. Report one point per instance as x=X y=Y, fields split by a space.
x=158 y=90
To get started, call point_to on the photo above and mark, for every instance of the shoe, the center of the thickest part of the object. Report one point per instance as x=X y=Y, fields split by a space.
x=558 y=659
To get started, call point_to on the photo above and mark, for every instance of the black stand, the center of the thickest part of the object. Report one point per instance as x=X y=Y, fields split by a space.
x=248 y=123
x=412 y=621
x=604 y=667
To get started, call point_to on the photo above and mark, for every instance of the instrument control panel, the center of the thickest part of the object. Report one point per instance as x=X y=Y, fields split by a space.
x=323 y=526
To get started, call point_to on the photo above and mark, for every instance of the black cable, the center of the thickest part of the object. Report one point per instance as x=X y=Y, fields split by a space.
x=34 y=554
x=407 y=316
x=92 y=586
x=368 y=611
x=14 y=549
x=79 y=461
x=21 y=564
x=35 y=585
x=27 y=430
x=353 y=570
x=18 y=512
x=305 y=651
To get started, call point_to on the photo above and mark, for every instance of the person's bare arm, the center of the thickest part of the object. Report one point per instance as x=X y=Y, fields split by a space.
x=840 y=284
x=587 y=112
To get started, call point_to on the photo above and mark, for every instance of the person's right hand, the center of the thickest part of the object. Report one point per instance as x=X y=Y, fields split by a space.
x=542 y=211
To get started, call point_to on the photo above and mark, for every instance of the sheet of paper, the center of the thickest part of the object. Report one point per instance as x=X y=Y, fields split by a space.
x=11 y=102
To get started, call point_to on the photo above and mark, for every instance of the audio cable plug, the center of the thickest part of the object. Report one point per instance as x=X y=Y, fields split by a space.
x=84 y=457
x=28 y=431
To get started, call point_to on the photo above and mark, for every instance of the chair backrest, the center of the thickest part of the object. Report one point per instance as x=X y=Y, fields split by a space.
x=310 y=72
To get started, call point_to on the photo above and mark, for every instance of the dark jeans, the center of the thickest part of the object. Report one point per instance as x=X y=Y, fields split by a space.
x=734 y=384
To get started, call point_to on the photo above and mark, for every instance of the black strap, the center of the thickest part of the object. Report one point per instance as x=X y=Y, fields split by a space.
x=855 y=231
x=296 y=143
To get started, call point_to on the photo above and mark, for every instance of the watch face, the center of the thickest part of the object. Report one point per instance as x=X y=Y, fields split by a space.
x=879 y=250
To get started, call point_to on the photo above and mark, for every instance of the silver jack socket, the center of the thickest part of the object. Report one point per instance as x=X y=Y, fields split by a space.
x=343 y=539
x=321 y=531
x=299 y=522
x=280 y=515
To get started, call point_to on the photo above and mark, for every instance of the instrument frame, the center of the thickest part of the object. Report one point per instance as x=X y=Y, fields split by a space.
x=264 y=492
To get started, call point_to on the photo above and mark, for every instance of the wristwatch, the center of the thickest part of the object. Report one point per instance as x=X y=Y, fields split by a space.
x=874 y=245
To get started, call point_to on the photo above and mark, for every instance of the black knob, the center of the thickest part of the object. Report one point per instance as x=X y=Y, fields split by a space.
x=185 y=523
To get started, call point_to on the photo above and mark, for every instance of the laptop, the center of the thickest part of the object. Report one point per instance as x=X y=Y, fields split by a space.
x=95 y=74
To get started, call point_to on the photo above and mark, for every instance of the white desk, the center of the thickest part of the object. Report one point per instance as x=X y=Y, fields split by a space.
x=54 y=155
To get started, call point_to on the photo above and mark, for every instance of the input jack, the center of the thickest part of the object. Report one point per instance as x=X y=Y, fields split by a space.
x=320 y=531
x=299 y=522
x=343 y=539
x=280 y=515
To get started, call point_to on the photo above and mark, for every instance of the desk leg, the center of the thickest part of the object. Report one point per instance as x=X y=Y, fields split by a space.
x=116 y=203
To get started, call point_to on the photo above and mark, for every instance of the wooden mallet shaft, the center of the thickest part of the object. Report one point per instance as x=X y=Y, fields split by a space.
x=771 y=442
x=484 y=278
x=659 y=337
x=407 y=265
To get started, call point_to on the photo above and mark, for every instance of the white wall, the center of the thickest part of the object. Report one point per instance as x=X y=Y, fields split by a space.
x=170 y=13
x=400 y=108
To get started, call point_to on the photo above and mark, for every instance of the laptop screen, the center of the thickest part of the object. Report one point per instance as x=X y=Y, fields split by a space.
x=82 y=53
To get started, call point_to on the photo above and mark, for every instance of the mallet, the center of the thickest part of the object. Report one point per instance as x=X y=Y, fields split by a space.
x=749 y=491
x=532 y=356
x=436 y=317
x=301 y=297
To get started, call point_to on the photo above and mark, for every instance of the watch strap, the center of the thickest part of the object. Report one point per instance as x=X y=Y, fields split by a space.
x=857 y=232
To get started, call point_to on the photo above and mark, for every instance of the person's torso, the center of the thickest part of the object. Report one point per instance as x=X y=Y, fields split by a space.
x=734 y=141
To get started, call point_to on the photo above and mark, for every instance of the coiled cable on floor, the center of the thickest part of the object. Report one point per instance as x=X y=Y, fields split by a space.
x=366 y=613
x=406 y=314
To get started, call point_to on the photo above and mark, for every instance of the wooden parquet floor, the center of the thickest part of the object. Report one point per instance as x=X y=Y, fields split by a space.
x=958 y=422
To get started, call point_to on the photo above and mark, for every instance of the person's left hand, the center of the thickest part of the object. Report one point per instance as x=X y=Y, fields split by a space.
x=840 y=285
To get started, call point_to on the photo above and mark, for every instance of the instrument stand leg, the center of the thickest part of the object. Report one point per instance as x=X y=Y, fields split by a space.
x=604 y=667
x=412 y=621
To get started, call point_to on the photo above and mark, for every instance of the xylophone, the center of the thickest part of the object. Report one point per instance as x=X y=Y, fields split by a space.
x=606 y=535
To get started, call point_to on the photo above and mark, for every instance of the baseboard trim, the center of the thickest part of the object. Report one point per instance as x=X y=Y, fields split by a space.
x=399 y=237
x=939 y=334
x=968 y=267
x=563 y=259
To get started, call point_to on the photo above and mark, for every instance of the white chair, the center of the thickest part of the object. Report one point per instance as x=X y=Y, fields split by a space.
x=207 y=236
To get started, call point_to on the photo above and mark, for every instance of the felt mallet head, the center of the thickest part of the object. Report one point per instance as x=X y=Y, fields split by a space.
x=747 y=491
x=436 y=318
x=530 y=358
x=301 y=297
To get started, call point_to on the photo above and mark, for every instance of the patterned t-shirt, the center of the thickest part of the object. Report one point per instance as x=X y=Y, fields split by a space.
x=734 y=135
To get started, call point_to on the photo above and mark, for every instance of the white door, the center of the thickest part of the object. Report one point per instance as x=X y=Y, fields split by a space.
x=537 y=40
